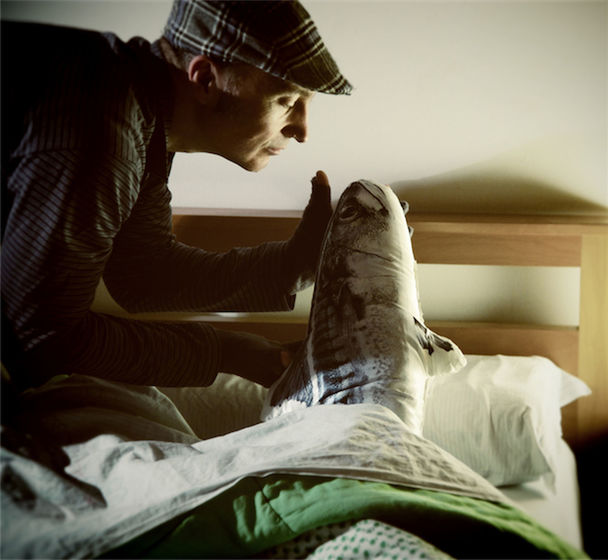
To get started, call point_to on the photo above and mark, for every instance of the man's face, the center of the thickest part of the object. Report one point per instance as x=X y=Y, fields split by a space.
x=258 y=116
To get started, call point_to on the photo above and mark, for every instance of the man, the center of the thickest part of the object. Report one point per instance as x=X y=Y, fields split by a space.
x=90 y=126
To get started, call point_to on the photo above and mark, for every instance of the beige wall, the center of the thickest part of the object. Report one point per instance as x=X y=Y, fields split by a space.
x=460 y=106
x=478 y=105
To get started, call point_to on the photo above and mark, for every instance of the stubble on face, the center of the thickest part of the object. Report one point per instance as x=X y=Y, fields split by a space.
x=255 y=115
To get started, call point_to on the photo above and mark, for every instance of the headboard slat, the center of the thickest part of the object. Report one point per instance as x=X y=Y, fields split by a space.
x=559 y=344
x=593 y=338
x=466 y=248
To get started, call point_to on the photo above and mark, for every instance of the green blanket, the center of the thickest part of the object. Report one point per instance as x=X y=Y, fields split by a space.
x=259 y=513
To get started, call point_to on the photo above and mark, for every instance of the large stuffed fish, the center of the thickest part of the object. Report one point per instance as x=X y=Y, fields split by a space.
x=366 y=339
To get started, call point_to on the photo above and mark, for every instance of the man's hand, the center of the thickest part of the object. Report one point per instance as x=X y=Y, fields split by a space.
x=304 y=246
x=253 y=357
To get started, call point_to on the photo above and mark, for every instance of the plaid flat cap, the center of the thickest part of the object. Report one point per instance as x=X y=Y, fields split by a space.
x=276 y=36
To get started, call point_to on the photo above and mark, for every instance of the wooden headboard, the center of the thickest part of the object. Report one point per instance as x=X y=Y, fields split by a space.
x=573 y=241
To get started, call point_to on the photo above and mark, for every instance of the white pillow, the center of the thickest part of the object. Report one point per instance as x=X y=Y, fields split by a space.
x=230 y=404
x=500 y=415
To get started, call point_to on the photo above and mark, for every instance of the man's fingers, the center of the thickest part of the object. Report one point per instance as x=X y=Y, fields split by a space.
x=286 y=358
x=294 y=346
x=321 y=179
x=321 y=191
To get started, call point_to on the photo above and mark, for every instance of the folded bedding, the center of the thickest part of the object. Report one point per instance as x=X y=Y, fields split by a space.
x=273 y=480
x=259 y=515
x=113 y=489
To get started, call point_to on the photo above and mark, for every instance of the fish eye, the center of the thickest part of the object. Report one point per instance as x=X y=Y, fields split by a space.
x=348 y=213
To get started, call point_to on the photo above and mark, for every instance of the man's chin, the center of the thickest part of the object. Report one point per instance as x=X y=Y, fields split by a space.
x=255 y=164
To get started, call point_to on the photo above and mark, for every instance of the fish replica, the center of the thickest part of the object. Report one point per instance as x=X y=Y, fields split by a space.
x=366 y=340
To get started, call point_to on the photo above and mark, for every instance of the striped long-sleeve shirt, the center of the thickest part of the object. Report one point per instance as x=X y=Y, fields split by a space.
x=84 y=186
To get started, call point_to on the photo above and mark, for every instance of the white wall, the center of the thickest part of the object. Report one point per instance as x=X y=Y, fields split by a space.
x=490 y=105
x=463 y=106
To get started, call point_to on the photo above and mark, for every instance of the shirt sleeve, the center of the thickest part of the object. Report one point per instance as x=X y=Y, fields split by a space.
x=72 y=219
x=150 y=271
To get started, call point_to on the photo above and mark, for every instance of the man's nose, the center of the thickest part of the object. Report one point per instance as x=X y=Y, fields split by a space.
x=297 y=127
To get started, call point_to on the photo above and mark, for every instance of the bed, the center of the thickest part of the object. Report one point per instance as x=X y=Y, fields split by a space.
x=274 y=505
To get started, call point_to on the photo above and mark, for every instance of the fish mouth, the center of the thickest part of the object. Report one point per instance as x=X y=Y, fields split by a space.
x=370 y=187
x=377 y=193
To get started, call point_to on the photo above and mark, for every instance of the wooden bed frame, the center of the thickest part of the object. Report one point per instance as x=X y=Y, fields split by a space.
x=573 y=241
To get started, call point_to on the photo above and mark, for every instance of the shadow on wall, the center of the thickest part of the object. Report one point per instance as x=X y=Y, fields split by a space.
x=491 y=193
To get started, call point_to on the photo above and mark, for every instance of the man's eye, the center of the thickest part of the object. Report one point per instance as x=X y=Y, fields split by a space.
x=287 y=102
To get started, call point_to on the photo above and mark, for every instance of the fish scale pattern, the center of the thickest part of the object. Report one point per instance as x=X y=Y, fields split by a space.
x=367 y=342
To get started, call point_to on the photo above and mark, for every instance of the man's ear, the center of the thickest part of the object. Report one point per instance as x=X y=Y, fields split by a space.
x=203 y=73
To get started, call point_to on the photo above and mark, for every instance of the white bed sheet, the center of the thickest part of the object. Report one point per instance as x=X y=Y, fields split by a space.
x=557 y=509
x=120 y=488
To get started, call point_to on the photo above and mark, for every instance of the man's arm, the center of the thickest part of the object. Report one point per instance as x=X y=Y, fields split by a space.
x=150 y=271
x=56 y=245
x=57 y=239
